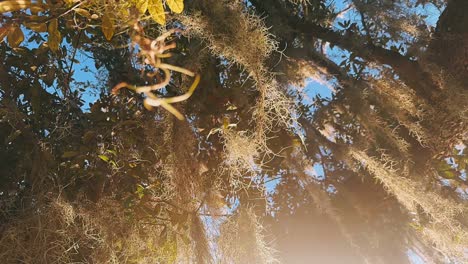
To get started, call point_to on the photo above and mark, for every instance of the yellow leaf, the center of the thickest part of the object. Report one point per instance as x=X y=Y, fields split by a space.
x=177 y=6
x=11 y=6
x=4 y=32
x=55 y=38
x=142 y=6
x=83 y=12
x=156 y=10
x=36 y=9
x=38 y=27
x=35 y=19
x=107 y=27
x=104 y=158
x=15 y=37
x=225 y=122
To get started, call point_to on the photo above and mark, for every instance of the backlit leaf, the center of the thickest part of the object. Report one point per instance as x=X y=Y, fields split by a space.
x=83 y=12
x=140 y=191
x=36 y=9
x=142 y=6
x=156 y=10
x=4 y=32
x=55 y=38
x=107 y=27
x=177 y=6
x=225 y=122
x=123 y=12
x=11 y=6
x=38 y=27
x=15 y=37
x=104 y=158
x=449 y=174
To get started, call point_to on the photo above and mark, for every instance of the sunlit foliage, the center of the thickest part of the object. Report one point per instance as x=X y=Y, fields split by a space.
x=170 y=131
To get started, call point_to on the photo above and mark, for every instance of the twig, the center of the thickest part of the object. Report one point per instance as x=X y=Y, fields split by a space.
x=64 y=13
x=73 y=58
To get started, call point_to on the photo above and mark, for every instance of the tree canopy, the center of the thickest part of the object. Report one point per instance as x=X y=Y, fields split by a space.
x=233 y=131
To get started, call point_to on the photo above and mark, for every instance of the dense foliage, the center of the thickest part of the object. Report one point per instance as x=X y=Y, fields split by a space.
x=170 y=131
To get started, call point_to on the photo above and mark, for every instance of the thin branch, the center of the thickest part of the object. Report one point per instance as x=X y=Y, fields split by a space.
x=64 y=13
x=344 y=10
x=366 y=28
x=73 y=58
